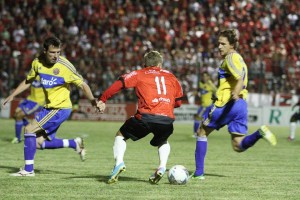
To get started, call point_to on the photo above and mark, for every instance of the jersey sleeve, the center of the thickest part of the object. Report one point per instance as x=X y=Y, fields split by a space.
x=130 y=80
x=33 y=71
x=72 y=76
x=236 y=65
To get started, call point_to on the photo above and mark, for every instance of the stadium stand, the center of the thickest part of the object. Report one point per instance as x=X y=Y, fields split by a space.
x=107 y=38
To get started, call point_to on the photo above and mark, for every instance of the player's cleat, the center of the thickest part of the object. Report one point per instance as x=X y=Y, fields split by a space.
x=157 y=175
x=15 y=141
x=23 y=172
x=290 y=139
x=80 y=148
x=267 y=135
x=113 y=178
x=200 y=177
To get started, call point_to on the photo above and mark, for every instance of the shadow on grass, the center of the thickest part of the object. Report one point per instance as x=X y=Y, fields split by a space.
x=37 y=171
x=102 y=178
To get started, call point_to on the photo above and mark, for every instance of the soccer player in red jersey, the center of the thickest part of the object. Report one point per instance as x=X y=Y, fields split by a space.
x=158 y=92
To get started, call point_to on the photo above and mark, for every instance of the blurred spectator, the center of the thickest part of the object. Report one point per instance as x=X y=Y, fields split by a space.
x=112 y=36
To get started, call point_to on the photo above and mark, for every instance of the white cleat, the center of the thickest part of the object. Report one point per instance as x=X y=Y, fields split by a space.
x=23 y=172
x=80 y=148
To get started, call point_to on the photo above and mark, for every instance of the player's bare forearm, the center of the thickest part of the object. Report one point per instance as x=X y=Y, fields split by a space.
x=22 y=87
x=88 y=93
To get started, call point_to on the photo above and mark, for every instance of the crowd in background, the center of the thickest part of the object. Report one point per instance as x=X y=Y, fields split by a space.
x=105 y=38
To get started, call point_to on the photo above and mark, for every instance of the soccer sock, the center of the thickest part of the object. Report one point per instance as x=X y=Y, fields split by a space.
x=163 y=153
x=29 y=151
x=200 y=153
x=196 y=125
x=292 y=130
x=25 y=122
x=250 y=140
x=56 y=143
x=119 y=149
x=18 y=129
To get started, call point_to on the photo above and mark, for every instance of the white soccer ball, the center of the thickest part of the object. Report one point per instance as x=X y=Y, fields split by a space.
x=178 y=175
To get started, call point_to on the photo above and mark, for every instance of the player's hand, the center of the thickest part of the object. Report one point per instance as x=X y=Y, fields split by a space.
x=7 y=100
x=94 y=104
x=101 y=106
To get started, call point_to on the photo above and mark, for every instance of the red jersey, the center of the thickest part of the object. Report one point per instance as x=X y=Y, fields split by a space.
x=157 y=90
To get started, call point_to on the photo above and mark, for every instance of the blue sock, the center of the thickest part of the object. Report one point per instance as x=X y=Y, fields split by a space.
x=18 y=129
x=250 y=140
x=29 y=151
x=196 y=125
x=25 y=122
x=200 y=153
x=57 y=143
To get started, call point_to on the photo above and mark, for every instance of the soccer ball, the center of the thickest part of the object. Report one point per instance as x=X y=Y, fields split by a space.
x=178 y=175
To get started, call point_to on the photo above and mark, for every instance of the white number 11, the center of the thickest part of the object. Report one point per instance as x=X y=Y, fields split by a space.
x=162 y=82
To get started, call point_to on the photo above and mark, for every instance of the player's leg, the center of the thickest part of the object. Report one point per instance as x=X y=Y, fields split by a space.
x=293 y=125
x=200 y=152
x=133 y=129
x=119 y=149
x=19 y=116
x=51 y=126
x=29 y=149
x=161 y=134
x=209 y=124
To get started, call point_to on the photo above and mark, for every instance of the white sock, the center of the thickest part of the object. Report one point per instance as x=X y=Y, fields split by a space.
x=119 y=149
x=292 y=130
x=163 y=153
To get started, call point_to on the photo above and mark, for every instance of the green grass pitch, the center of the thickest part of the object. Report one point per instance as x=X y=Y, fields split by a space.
x=262 y=172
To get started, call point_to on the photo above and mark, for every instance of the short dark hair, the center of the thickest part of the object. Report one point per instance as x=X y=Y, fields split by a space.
x=152 y=58
x=232 y=36
x=52 y=40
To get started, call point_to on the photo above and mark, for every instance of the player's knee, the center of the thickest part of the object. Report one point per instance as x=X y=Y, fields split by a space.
x=19 y=115
x=158 y=143
x=39 y=142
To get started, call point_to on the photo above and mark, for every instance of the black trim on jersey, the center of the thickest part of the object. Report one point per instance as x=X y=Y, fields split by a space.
x=180 y=98
x=123 y=82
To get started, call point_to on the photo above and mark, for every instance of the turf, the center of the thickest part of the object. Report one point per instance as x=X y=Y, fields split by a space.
x=262 y=172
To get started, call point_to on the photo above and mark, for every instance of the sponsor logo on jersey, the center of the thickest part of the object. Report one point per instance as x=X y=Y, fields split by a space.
x=51 y=82
x=161 y=99
x=55 y=71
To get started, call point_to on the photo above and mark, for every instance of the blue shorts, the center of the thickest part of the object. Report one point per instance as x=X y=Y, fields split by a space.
x=29 y=107
x=201 y=110
x=51 y=119
x=234 y=114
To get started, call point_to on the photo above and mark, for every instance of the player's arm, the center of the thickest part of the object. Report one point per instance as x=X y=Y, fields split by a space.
x=178 y=102
x=88 y=93
x=235 y=93
x=111 y=91
x=24 y=85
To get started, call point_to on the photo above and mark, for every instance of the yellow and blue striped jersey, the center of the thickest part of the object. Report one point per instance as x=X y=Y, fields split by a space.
x=55 y=80
x=36 y=92
x=232 y=68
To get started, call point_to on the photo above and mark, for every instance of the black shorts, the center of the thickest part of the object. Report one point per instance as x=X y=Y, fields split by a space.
x=136 y=129
x=295 y=117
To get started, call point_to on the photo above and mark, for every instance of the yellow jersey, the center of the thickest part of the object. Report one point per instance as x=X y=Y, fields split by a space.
x=55 y=80
x=36 y=92
x=232 y=68
x=206 y=91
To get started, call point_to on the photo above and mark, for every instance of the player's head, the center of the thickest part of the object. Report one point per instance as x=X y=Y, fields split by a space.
x=228 y=41
x=205 y=76
x=52 y=49
x=153 y=59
